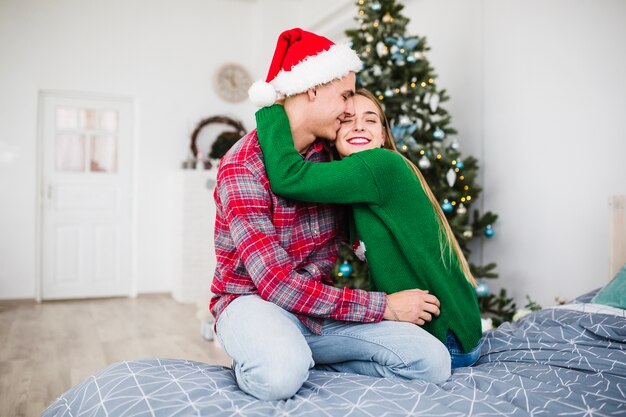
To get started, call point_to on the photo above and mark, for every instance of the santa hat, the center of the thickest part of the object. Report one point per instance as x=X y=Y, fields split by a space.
x=302 y=60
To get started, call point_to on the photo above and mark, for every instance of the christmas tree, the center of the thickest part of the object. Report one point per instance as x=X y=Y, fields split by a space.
x=397 y=71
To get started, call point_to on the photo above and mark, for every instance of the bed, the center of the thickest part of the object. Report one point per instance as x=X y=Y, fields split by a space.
x=568 y=360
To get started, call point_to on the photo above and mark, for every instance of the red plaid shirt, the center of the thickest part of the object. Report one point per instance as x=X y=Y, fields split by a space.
x=279 y=249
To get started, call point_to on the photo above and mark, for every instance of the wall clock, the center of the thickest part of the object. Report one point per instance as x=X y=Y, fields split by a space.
x=232 y=82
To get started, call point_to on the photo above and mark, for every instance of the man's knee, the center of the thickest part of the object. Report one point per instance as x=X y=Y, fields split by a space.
x=434 y=366
x=274 y=380
x=438 y=367
x=422 y=355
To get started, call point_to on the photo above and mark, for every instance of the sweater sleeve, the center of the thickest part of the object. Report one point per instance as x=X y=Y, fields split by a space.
x=349 y=180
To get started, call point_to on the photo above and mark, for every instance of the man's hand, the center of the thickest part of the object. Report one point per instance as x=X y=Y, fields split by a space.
x=414 y=306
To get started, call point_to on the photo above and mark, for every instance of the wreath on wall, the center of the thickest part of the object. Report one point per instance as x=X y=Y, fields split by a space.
x=224 y=140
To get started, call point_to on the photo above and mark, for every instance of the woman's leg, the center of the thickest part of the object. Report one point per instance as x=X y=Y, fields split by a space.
x=459 y=358
x=271 y=358
x=382 y=349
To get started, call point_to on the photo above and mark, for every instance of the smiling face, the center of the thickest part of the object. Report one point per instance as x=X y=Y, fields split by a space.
x=361 y=130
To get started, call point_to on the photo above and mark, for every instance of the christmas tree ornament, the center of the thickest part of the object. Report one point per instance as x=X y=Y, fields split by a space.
x=375 y=6
x=424 y=162
x=434 y=102
x=451 y=177
x=454 y=144
x=387 y=18
x=359 y=250
x=482 y=289
x=368 y=37
x=439 y=134
x=468 y=234
x=345 y=269
x=381 y=49
x=489 y=231
x=459 y=164
x=446 y=206
x=411 y=43
x=461 y=209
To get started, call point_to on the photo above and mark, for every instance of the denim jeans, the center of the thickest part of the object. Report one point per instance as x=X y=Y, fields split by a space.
x=457 y=357
x=273 y=351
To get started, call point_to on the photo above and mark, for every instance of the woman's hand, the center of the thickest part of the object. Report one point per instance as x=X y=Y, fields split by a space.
x=414 y=306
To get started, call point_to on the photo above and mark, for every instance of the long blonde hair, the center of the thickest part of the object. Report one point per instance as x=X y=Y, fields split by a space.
x=446 y=236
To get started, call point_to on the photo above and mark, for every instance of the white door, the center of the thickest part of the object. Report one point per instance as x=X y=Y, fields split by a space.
x=86 y=197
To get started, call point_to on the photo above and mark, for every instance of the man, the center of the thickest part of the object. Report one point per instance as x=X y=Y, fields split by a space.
x=277 y=312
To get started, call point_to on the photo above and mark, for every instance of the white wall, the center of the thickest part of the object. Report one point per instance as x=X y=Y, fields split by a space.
x=536 y=95
x=164 y=55
x=555 y=140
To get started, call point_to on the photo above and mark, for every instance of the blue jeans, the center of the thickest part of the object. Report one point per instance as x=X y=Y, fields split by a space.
x=273 y=351
x=458 y=358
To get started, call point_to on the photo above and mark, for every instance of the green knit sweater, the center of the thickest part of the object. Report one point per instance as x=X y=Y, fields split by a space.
x=393 y=218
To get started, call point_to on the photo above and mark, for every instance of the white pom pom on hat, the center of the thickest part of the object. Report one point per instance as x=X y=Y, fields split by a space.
x=262 y=94
x=302 y=60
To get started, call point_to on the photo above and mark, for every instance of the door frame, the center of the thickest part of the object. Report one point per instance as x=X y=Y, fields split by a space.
x=40 y=187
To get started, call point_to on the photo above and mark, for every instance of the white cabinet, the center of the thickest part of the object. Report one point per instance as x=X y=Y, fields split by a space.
x=197 y=224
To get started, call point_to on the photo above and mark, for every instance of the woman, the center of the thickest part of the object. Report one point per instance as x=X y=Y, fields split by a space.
x=402 y=231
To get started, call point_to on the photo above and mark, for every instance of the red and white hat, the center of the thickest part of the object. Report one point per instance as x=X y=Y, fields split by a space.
x=302 y=60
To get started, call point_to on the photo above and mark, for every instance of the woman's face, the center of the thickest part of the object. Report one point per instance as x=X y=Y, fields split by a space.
x=361 y=131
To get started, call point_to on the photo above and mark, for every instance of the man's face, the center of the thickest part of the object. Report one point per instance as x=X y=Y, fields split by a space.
x=333 y=102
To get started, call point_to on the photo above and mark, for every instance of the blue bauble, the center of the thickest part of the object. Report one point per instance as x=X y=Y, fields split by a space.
x=446 y=206
x=460 y=164
x=439 y=134
x=482 y=289
x=345 y=269
x=489 y=231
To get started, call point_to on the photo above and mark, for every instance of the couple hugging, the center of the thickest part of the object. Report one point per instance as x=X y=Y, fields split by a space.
x=283 y=207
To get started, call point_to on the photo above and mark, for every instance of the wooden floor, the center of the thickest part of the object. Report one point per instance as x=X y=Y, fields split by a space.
x=46 y=348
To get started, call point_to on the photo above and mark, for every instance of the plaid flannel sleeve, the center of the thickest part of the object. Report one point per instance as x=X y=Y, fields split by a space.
x=246 y=209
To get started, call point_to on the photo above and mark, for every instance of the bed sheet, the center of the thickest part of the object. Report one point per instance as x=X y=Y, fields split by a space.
x=553 y=362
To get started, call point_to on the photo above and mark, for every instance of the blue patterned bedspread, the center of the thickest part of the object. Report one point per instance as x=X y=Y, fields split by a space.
x=554 y=362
